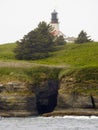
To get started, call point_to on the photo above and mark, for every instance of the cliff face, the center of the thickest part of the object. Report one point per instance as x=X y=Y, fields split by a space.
x=71 y=96
x=48 y=94
x=17 y=100
x=21 y=99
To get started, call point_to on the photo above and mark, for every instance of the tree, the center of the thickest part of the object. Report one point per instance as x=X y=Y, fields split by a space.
x=36 y=44
x=60 y=40
x=82 y=38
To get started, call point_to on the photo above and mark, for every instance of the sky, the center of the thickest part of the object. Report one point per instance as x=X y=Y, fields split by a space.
x=18 y=17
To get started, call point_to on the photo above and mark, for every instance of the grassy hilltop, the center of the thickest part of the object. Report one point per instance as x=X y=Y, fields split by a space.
x=6 y=51
x=76 y=55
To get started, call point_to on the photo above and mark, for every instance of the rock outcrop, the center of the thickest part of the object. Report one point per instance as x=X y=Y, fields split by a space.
x=48 y=95
x=72 y=95
x=17 y=100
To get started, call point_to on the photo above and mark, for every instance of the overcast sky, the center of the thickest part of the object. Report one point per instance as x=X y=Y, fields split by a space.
x=18 y=17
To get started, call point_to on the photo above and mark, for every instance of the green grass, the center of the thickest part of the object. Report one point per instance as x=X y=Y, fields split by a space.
x=74 y=55
x=6 y=51
x=82 y=80
x=8 y=74
x=32 y=75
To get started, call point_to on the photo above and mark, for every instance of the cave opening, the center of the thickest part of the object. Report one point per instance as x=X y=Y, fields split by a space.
x=46 y=104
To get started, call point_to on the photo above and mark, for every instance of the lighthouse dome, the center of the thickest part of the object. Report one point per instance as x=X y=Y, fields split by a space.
x=54 y=18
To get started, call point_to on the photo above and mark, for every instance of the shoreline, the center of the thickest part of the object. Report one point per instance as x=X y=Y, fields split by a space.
x=73 y=112
x=64 y=112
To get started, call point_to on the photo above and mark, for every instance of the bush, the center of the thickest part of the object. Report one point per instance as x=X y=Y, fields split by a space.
x=60 y=40
x=83 y=38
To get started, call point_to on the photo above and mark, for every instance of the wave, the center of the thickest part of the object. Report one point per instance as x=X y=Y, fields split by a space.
x=73 y=117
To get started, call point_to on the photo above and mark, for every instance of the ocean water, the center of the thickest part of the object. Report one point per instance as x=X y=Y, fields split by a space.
x=50 y=123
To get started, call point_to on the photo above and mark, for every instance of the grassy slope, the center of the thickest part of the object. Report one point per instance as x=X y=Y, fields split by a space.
x=70 y=54
x=74 y=55
x=6 y=51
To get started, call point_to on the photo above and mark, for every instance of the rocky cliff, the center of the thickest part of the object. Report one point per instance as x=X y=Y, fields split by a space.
x=17 y=100
x=50 y=92
x=22 y=99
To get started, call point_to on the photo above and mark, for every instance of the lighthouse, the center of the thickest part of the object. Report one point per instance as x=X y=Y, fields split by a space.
x=54 y=23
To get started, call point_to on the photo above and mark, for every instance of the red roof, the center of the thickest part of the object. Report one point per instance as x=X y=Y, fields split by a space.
x=55 y=33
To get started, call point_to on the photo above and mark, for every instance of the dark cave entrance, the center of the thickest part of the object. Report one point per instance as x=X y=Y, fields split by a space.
x=46 y=104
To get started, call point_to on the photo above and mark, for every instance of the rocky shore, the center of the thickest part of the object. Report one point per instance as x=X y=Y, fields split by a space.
x=74 y=112
x=49 y=94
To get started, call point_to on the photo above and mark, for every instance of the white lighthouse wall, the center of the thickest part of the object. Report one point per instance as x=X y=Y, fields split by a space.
x=55 y=26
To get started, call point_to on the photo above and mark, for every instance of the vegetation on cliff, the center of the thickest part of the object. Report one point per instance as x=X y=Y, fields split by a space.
x=82 y=79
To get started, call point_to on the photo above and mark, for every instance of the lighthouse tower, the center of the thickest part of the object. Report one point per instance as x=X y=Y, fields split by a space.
x=54 y=23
